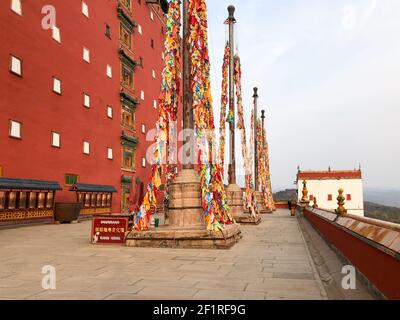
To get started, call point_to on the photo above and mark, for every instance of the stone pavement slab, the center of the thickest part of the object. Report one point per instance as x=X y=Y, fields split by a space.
x=272 y=261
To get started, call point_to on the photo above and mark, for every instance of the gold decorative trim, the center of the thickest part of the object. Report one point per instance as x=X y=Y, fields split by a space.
x=25 y=215
x=92 y=211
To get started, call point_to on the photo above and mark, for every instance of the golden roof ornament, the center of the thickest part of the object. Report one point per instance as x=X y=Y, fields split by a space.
x=305 y=192
x=315 y=205
x=341 y=209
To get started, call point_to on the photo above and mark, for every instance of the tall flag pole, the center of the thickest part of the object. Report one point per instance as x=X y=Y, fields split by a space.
x=234 y=192
x=259 y=162
x=167 y=116
x=254 y=124
x=231 y=116
x=263 y=167
x=271 y=203
x=239 y=202
x=198 y=214
x=224 y=105
x=188 y=118
x=250 y=202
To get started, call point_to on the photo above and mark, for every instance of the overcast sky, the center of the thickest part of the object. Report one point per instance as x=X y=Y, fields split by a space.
x=328 y=73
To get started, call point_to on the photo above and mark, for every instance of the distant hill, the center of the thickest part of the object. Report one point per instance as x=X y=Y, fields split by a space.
x=288 y=194
x=381 y=212
x=371 y=209
x=389 y=198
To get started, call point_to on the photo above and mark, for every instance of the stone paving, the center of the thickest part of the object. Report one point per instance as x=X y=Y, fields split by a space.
x=272 y=261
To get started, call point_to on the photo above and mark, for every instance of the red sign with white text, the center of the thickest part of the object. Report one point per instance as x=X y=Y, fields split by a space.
x=109 y=230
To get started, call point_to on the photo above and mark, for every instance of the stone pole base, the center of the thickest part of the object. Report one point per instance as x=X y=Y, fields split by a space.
x=234 y=196
x=186 y=227
x=261 y=206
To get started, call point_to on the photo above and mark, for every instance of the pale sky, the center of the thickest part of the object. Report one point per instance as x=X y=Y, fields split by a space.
x=328 y=73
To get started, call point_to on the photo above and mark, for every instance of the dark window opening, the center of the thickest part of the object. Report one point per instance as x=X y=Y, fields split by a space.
x=108 y=31
x=71 y=179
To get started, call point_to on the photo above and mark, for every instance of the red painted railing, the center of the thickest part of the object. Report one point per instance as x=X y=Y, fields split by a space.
x=370 y=245
x=282 y=205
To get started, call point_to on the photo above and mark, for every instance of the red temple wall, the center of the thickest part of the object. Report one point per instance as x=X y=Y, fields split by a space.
x=30 y=100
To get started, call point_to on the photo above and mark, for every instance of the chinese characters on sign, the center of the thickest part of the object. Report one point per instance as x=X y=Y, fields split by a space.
x=109 y=230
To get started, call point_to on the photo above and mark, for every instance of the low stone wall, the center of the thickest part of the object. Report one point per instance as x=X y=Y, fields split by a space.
x=370 y=245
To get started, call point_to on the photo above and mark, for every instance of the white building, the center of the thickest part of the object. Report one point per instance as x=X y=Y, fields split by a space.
x=324 y=186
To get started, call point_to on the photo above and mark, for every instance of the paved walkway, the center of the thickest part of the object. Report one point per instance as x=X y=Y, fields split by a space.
x=272 y=261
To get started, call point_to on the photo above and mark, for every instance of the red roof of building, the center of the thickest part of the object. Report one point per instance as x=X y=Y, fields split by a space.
x=322 y=175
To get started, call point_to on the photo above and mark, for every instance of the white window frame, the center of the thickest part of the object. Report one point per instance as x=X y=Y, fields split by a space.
x=140 y=29
x=143 y=128
x=56 y=34
x=151 y=15
x=86 y=100
x=16 y=65
x=86 y=54
x=55 y=139
x=144 y=162
x=85 y=9
x=57 y=85
x=109 y=71
x=155 y=104
x=142 y=95
x=16 y=7
x=110 y=155
x=110 y=112
x=15 y=129
x=153 y=73
x=86 y=147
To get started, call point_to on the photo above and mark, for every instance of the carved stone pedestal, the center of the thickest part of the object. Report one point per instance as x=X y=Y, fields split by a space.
x=234 y=196
x=246 y=218
x=186 y=227
x=185 y=210
x=261 y=205
x=168 y=237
